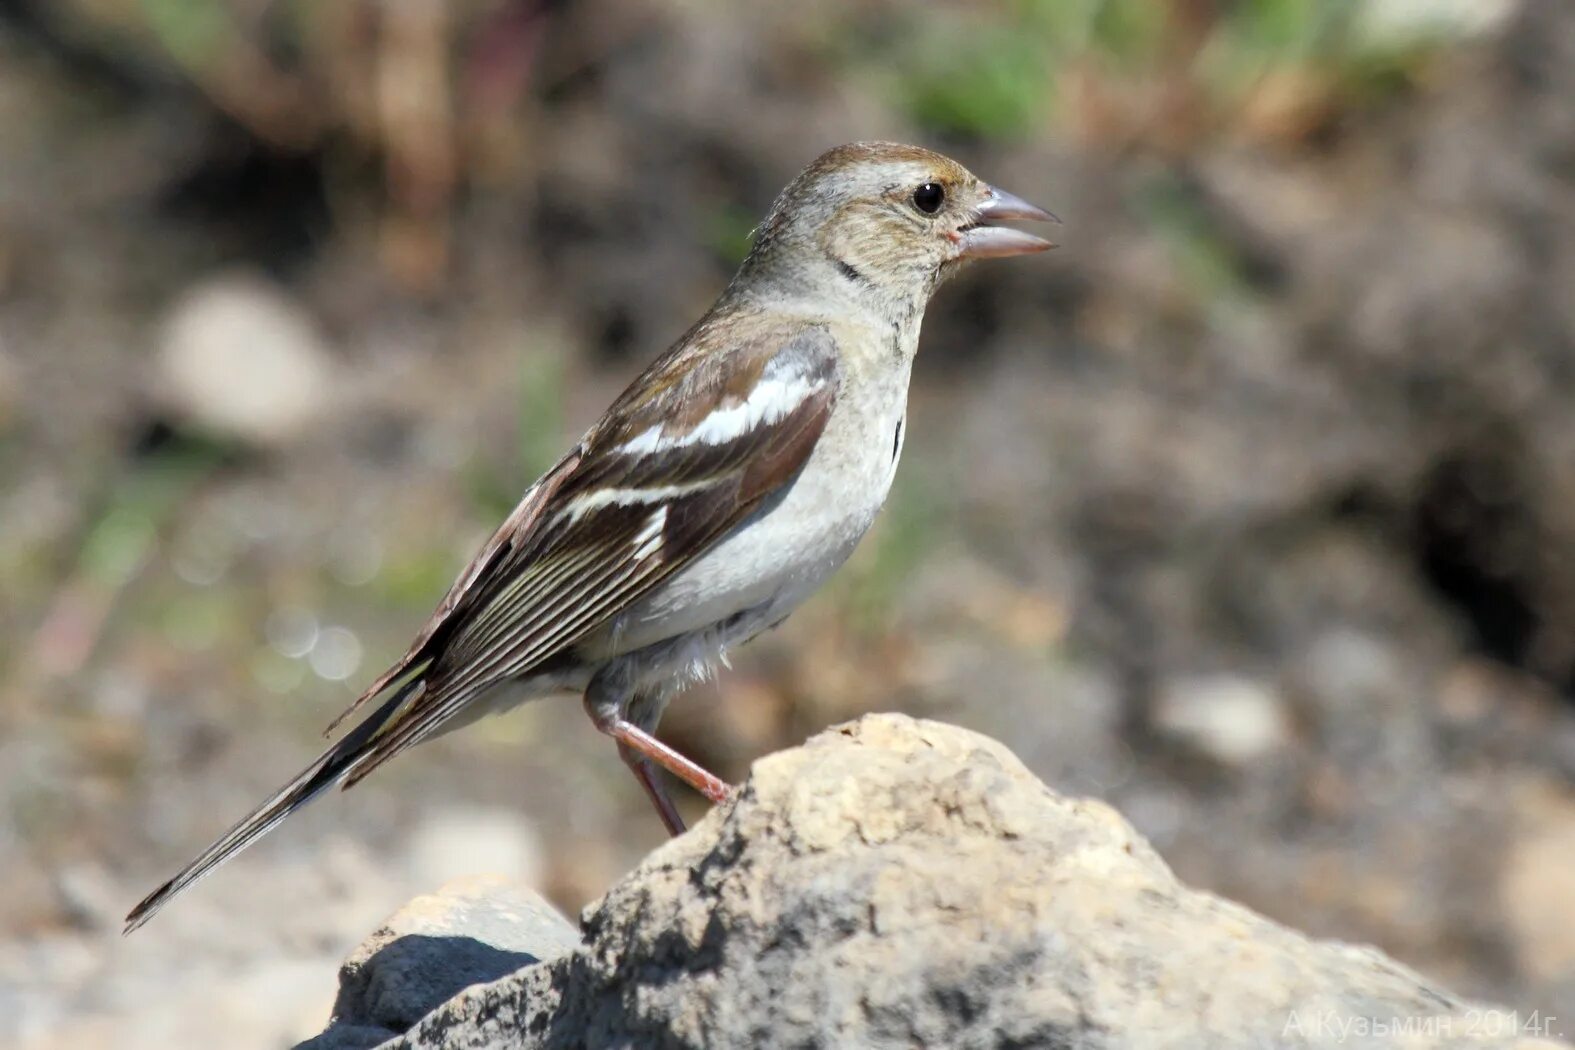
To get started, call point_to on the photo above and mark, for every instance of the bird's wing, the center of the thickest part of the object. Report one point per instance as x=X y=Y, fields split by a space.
x=517 y=525
x=696 y=443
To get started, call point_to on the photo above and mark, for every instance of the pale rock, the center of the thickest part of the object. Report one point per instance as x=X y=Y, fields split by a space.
x=237 y=356
x=1234 y=720
x=1389 y=24
x=456 y=841
x=1537 y=888
x=898 y=883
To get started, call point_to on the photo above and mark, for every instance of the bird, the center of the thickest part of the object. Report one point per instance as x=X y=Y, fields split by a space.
x=718 y=491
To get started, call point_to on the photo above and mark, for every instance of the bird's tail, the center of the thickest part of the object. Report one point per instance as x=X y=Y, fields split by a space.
x=330 y=768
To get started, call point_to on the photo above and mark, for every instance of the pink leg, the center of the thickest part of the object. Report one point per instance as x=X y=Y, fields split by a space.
x=638 y=740
x=639 y=749
x=649 y=779
x=610 y=720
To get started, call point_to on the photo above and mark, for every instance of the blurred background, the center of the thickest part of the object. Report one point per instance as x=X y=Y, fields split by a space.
x=1251 y=510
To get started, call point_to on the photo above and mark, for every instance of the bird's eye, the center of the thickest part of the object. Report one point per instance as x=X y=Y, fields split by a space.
x=929 y=197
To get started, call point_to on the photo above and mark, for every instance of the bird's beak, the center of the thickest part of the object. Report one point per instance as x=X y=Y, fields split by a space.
x=985 y=240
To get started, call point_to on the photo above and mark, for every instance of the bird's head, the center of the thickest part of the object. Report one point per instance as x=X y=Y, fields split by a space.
x=887 y=220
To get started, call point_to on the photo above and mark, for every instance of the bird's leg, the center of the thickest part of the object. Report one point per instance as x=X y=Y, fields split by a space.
x=638 y=740
x=609 y=708
x=645 y=772
x=645 y=711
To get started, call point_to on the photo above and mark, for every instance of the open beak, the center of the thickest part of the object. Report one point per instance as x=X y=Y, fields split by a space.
x=985 y=240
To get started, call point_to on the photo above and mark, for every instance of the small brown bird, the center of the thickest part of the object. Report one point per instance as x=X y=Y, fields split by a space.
x=720 y=489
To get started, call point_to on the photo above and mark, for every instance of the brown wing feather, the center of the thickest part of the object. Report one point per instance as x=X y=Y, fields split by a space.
x=515 y=527
x=510 y=626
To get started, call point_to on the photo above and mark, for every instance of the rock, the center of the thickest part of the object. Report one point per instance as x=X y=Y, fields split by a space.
x=1537 y=884
x=349 y=1037
x=1393 y=24
x=901 y=883
x=472 y=930
x=455 y=840
x=240 y=358
x=1232 y=719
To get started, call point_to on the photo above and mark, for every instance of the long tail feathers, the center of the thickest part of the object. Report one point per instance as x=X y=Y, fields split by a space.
x=333 y=766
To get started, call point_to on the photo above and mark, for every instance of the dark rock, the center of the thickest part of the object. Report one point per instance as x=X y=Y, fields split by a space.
x=469 y=932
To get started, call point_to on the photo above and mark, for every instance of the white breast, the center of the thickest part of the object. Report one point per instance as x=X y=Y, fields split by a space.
x=781 y=554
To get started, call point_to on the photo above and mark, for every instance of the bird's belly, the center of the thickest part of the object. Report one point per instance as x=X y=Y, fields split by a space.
x=777 y=557
x=771 y=563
